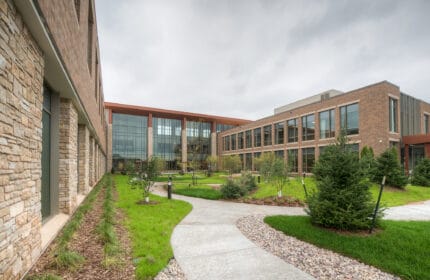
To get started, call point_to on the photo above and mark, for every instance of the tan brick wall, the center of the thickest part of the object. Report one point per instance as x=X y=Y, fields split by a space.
x=84 y=159
x=68 y=163
x=373 y=121
x=21 y=80
x=92 y=155
x=70 y=34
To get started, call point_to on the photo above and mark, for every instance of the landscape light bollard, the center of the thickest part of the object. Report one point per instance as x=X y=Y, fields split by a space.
x=169 y=188
x=377 y=205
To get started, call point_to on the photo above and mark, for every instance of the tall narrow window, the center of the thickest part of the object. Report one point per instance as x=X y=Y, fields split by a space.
x=308 y=127
x=248 y=141
x=326 y=120
x=393 y=115
x=279 y=133
x=90 y=35
x=248 y=161
x=240 y=140
x=308 y=159
x=293 y=131
x=46 y=154
x=426 y=124
x=227 y=143
x=268 y=135
x=349 y=119
x=257 y=137
x=293 y=159
x=233 y=142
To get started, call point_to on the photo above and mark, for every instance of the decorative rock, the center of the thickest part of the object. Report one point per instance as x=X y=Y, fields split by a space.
x=171 y=272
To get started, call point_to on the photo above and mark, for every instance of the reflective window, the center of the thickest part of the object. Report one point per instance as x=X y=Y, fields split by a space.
x=248 y=139
x=198 y=141
x=257 y=137
x=293 y=160
x=248 y=161
x=268 y=135
x=293 y=131
x=327 y=127
x=222 y=127
x=233 y=142
x=308 y=157
x=393 y=109
x=279 y=133
x=426 y=124
x=279 y=153
x=349 y=118
x=308 y=127
x=226 y=143
x=129 y=137
x=167 y=140
x=240 y=140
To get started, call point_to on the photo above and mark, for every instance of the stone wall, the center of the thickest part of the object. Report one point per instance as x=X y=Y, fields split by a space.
x=68 y=168
x=21 y=83
x=84 y=159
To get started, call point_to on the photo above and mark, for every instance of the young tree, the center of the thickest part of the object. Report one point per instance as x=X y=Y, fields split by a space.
x=343 y=200
x=232 y=163
x=212 y=162
x=421 y=173
x=367 y=162
x=387 y=164
x=146 y=178
x=274 y=170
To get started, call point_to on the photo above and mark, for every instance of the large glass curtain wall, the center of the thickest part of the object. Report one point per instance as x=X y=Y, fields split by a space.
x=198 y=142
x=167 y=141
x=129 y=140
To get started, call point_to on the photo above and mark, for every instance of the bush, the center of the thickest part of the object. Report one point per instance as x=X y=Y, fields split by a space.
x=343 y=201
x=421 y=173
x=248 y=181
x=367 y=162
x=388 y=164
x=232 y=190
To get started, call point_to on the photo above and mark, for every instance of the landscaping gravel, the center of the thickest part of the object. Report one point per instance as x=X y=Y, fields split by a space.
x=171 y=272
x=320 y=263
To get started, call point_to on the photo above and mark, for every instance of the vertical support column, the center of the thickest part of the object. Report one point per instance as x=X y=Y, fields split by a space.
x=84 y=159
x=184 y=144
x=68 y=163
x=150 y=137
x=406 y=159
x=213 y=139
x=91 y=162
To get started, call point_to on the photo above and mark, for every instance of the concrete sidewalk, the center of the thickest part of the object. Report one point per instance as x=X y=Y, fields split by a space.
x=419 y=211
x=208 y=245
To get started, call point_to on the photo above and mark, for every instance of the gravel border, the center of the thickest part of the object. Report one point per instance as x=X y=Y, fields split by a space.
x=318 y=262
x=171 y=272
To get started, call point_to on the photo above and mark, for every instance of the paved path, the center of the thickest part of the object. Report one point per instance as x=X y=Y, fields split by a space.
x=208 y=245
x=419 y=211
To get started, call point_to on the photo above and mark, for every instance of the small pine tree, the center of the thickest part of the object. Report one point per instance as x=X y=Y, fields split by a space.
x=421 y=173
x=387 y=164
x=367 y=162
x=342 y=201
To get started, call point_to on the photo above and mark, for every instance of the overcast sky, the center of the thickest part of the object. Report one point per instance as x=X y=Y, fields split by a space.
x=244 y=58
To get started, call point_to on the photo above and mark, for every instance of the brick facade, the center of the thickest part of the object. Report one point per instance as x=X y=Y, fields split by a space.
x=21 y=79
x=373 y=122
x=84 y=159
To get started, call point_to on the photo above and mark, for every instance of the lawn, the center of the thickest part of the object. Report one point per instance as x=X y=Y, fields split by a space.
x=293 y=188
x=201 y=191
x=216 y=178
x=401 y=248
x=150 y=227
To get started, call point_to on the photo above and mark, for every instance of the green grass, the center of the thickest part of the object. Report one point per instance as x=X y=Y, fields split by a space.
x=150 y=227
x=216 y=178
x=46 y=276
x=401 y=248
x=201 y=191
x=395 y=197
x=293 y=188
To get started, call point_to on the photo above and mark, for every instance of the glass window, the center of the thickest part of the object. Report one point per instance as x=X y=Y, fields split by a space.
x=327 y=127
x=248 y=138
x=222 y=127
x=227 y=143
x=198 y=141
x=308 y=127
x=268 y=135
x=129 y=137
x=322 y=149
x=308 y=156
x=233 y=142
x=293 y=131
x=257 y=137
x=293 y=160
x=279 y=133
x=167 y=141
x=393 y=115
x=240 y=140
x=279 y=153
x=349 y=117
x=248 y=161
x=426 y=124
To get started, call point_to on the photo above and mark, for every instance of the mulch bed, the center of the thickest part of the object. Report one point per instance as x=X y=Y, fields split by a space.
x=86 y=241
x=274 y=201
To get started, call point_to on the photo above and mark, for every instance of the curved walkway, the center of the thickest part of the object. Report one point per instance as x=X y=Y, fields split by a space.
x=208 y=245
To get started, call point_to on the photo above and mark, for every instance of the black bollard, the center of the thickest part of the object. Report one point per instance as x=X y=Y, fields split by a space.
x=377 y=205
x=258 y=179
x=169 y=188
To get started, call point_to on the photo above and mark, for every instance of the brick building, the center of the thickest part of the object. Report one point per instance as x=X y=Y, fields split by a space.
x=52 y=126
x=136 y=133
x=379 y=116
